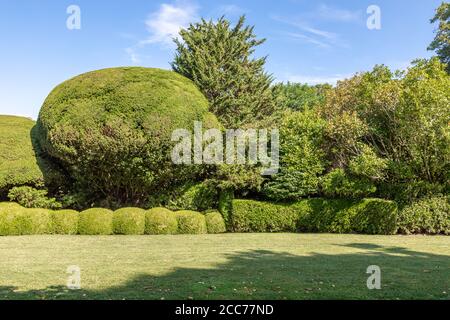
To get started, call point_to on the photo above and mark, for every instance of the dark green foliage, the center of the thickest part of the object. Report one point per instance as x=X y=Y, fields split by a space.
x=338 y=184
x=129 y=221
x=96 y=221
x=16 y=220
x=256 y=216
x=430 y=215
x=219 y=59
x=64 y=222
x=441 y=42
x=30 y=197
x=197 y=197
x=298 y=96
x=226 y=198
x=160 y=221
x=371 y=216
x=112 y=128
x=215 y=222
x=302 y=158
x=191 y=222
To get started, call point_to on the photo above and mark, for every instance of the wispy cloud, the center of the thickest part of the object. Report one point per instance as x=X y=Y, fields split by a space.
x=230 y=9
x=318 y=37
x=326 y=12
x=165 y=24
x=313 y=80
x=134 y=57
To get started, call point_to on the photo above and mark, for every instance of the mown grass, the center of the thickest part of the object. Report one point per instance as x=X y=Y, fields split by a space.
x=228 y=266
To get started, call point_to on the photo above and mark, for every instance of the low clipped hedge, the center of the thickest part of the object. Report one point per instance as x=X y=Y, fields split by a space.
x=160 y=221
x=129 y=221
x=96 y=221
x=431 y=216
x=17 y=221
x=370 y=216
x=191 y=222
x=215 y=222
x=64 y=222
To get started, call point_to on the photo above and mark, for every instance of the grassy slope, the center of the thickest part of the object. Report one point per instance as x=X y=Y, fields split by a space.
x=18 y=165
x=242 y=266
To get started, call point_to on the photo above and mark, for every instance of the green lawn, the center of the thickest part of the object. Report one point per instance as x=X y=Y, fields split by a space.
x=229 y=266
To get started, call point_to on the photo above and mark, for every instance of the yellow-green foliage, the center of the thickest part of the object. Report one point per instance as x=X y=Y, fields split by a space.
x=129 y=221
x=16 y=220
x=160 y=221
x=96 y=221
x=64 y=222
x=112 y=129
x=215 y=222
x=191 y=222
x=18 y=165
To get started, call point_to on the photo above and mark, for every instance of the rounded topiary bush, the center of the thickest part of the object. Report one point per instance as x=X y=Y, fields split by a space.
x=22 y=221
x=112 y=130
x=96 y=221
x=215 y=222
x=160 y=221
x=64 y=222
x=129 y=221
x=191 y=222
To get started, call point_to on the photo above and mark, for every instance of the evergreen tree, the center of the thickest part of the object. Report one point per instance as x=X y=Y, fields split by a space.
x=219 y=59
x=441 y=43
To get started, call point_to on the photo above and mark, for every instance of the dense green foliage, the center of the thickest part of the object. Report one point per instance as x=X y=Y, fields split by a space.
x=441 y=42
x=298 y=96
x=129 y=221
x=257 y=216
x=161 y=221
x=96 y=221
x=215 y=222
x=30 y=197
x=112 y=129
x=64 y=222
x=372 y=216
x=219 y=59
x=225 y=205
x=16 y=220
x=302 y=159
x=197 y=197
x=191 y=222
x=19 y=164
x=429 y=215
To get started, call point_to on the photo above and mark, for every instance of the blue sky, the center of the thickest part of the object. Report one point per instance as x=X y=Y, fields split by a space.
x=307 y=41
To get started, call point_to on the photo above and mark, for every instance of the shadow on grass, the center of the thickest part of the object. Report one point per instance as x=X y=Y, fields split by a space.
x=263 y=274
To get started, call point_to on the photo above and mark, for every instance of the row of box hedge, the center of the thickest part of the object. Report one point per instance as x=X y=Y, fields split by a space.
x=16 y=220
x=368 y=216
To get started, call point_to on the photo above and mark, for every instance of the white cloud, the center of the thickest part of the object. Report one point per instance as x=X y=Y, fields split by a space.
x=335 y=14
x=313 y=80
x=165 y=24
x=134 y=57
x=308 y=39
x=230 y=9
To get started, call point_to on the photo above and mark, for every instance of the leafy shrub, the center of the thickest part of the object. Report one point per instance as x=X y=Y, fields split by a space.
x=64 y=222
x=372 y=216
x=302 y=158
x=111 y=129
x=32 y=198
x=256 y=216
x=191 y=222
x=215 y=222
x=23 y=221
x=338 y=184
x=160 y=221
x=19 y=162
x=197 y=197
x=129 y=221
x=430 y=216
x=225 y=205
x=96 y=221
